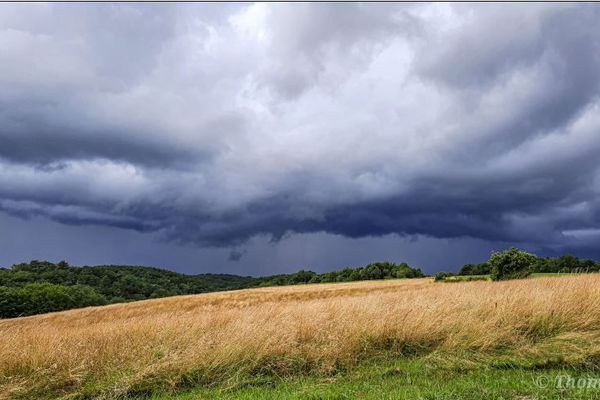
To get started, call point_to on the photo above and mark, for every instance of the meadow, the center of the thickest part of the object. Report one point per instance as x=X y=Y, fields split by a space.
x=487 y=277
x=321 y=340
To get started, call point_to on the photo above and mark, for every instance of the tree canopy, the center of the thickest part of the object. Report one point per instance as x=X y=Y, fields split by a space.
x=41 y=286
x=513 y=263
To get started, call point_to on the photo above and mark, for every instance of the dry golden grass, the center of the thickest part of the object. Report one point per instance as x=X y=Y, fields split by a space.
x=167 y=343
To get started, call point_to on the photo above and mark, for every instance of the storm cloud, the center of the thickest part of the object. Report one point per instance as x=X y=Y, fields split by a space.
x=214 y=124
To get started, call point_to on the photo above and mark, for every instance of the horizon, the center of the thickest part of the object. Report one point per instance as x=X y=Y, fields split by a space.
x=308 y=268
x=260 y=139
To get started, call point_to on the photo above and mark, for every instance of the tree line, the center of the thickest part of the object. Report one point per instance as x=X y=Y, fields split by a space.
x=514 y=263
x=373 y=271
x=40 y=286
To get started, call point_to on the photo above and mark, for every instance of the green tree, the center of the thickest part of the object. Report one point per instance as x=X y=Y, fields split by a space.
x=39 y=298
x=441 y=276
x=475 y=269
x=511 y=264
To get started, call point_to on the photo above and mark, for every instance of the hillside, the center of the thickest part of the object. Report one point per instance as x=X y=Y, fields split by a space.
x=120 y=282
x=495 y=337
x=40 y=286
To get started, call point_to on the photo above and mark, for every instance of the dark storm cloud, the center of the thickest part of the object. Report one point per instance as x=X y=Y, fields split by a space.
x=44 y=146
x=212 y=124
x=236 y=255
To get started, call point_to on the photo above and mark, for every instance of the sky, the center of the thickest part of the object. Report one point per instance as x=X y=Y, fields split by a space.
x=265 y=138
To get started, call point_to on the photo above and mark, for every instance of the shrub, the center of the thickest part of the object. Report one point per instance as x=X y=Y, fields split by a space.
x=511 y=264
x=441 y=276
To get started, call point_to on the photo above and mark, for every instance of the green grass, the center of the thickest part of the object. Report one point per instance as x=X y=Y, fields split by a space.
x=409 y=379
x=468 y=278
x=553 y=274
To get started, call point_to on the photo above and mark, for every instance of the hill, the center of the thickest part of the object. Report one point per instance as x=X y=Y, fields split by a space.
x=393 y=339
x=120 y=283
x=40 y=286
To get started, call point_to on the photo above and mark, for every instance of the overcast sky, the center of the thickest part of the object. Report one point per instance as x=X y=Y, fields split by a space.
x=266 y=138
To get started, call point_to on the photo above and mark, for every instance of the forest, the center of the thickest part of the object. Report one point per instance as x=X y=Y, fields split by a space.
x=41 y=286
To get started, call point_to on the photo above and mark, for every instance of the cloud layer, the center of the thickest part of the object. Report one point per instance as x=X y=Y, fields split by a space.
x=211 y=124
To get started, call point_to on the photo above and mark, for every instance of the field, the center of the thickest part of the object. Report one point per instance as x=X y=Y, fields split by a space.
x=469 y=278
x=380 y=339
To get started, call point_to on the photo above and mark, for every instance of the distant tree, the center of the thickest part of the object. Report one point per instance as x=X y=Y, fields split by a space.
x=302 y=276
x=466 y=269
x=37 y=298
x=567 y=263
x=475 y=269
x=511 y=264
x=98 y=285
x=441 y=276
x=85 y=296
x=589 y=266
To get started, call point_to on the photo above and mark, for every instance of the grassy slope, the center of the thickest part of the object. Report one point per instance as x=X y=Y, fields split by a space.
x=467 y=278
x=320 y=339
x=405 y=379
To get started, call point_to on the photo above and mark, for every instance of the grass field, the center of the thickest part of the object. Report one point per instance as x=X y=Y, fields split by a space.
x=378 y=339
x=466 y=278
x=407 y=379
x=469 y=278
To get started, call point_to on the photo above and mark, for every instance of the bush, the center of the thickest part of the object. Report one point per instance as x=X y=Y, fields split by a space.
x=441 y=276
x=511 y=264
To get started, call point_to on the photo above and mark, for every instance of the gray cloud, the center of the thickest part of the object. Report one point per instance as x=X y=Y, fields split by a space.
x=211 y=124
x=326 y=43
x=236 y=255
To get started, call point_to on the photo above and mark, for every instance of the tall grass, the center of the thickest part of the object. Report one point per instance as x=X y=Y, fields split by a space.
x=164 y=344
